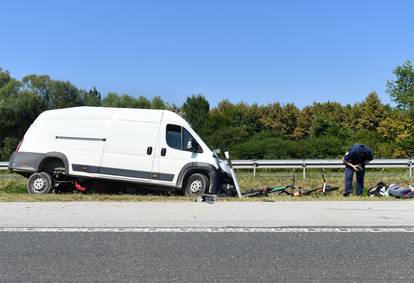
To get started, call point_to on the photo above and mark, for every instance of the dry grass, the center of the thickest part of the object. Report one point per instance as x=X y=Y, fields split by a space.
x=12 y=188
x=314 y=179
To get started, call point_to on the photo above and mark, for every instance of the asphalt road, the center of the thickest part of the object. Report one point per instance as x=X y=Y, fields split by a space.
x=220 y=214
x=206 y=257
x=196 y=242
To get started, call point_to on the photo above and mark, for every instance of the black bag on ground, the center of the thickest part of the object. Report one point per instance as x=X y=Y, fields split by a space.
x=379 y=190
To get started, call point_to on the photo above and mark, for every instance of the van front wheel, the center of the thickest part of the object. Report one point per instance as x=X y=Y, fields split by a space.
x=39 y=183
x=196 y=185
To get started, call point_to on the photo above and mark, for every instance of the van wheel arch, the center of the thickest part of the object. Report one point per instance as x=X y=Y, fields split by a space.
x=206 y=169
x=54 y=160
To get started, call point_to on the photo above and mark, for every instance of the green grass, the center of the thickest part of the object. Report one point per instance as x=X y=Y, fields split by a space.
x=314 y=179
x=12 y=187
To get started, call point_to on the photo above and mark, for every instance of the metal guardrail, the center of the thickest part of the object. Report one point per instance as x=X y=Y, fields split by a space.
x=305 y=164
x=3 y=165
x=318 y=164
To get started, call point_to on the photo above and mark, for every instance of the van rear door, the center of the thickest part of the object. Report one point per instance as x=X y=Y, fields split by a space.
x=129 y=150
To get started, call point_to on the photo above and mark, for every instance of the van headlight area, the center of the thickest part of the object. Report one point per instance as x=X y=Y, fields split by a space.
x=224 y=167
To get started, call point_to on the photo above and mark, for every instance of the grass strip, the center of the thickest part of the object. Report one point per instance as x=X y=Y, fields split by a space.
x=12 y=188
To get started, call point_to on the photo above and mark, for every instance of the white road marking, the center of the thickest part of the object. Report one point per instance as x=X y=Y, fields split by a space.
x=211 y=230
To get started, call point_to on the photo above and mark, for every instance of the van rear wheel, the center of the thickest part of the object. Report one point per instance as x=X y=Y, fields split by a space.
x=39 y=183
x=196 y=185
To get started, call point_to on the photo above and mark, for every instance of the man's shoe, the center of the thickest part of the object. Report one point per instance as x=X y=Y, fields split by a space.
x=346 y=194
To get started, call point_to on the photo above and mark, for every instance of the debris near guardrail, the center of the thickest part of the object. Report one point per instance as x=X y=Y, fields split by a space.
x=211 y=199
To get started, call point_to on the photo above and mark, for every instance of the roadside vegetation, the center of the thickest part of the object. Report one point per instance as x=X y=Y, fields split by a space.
x=248 y=131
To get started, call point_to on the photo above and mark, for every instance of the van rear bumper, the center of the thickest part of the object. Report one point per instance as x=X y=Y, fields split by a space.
x=25 y=161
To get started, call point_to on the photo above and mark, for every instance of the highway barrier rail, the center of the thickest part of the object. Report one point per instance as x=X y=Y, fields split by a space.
x=318 y=164
x=3 y=165
x=306 y=164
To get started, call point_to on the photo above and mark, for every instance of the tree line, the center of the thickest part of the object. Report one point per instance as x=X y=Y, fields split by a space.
x=250 y=131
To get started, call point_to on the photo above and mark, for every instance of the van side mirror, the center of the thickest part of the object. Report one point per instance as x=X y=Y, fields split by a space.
x=192 y=146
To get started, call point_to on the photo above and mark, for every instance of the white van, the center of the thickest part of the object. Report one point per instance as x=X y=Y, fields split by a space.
x=151 y=147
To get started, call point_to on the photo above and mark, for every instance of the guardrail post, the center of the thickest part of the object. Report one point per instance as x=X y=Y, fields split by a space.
x=254 y=168
x=304 y=170
x=411 y=168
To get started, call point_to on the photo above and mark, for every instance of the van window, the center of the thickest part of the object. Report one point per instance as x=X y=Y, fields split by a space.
x=186 y=138
x=178 y=138
x=174 y=136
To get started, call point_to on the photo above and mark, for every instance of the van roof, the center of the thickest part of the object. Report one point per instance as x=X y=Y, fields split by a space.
x=133 y=114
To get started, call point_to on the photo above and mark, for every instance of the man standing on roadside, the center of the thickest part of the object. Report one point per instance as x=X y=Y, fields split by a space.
x=355 y=160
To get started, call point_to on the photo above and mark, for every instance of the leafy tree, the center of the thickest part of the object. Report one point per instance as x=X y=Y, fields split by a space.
x=195 y=110
x=279 y=118
x=226 y=136
x=289 y=117
x=64 y=94
x=396 y=133
x=126 y=101
x=401 y=89
x=39 y=84
x=55 y=94
x=17 y=112
x=18 y=109
x=320 y=130
x=120 y=101
x=271 y=117
x=322 y=126
x=9 y=146
x=111 y=100
x=372 y=112
x=158 y=103
x=304 y=123
x=325 y=147
x=143 y=102
x=92 y=98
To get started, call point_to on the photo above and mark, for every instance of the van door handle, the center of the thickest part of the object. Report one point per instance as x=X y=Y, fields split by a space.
x=149 y=150
x=163 y=151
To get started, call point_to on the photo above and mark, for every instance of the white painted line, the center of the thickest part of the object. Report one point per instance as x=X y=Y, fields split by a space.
x=212 y=230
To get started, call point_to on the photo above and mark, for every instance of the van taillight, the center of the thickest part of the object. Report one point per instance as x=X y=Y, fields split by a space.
x=18 y=146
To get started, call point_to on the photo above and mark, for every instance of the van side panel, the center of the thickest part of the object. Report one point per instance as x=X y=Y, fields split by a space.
x=82 y=141
x=38 y=138
x=129 y=150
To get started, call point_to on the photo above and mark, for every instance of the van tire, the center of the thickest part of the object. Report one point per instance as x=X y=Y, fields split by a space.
x=39 y=183
x=196 y=185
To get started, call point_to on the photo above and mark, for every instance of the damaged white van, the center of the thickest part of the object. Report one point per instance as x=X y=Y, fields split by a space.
x=86 y=147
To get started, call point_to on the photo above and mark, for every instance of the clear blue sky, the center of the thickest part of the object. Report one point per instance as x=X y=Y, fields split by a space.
x=251 y=51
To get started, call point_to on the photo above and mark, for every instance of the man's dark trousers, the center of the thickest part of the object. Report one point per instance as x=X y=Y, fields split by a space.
x=349 y=174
